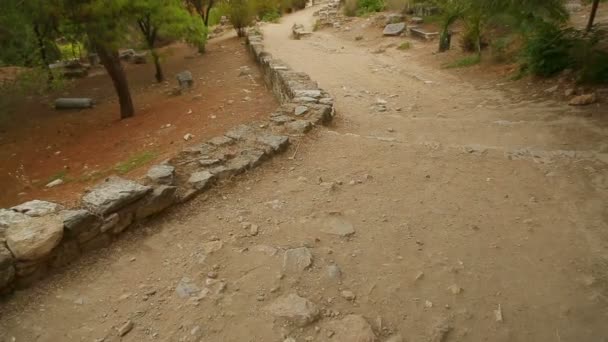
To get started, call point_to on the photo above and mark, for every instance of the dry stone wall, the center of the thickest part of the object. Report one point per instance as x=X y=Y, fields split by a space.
x=39 y=236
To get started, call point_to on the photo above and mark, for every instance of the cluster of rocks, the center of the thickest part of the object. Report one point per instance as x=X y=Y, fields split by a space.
x=329 y=15
x=38 y=236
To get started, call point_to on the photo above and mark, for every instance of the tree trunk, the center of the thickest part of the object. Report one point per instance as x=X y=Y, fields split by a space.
x=594 y=7
x=445 y=40
x=111 y=62
x=207 y=11
x=43 y=55
x=159 y=71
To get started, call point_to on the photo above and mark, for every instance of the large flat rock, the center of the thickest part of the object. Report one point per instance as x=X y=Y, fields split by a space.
x=394 y=29
x=35 y=238
x=37 y=208
x=113 y=194
x=294 y=309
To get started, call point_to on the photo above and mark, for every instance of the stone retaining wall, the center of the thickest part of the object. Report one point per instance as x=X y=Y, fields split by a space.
x=39 y=236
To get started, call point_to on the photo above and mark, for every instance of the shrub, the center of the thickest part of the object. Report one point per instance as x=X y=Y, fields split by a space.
x=405 y=46
x=241 y=15
x=548 y=50
x=369 y=6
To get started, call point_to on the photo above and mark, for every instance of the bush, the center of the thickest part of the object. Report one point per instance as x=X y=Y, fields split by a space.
x=369 y=6
x=465 y=62
x=547 y=51
x=405 y=46
x=241 y=15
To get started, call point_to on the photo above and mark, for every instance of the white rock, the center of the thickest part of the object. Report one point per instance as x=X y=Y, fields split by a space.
x=55 y=183
x=188 y=136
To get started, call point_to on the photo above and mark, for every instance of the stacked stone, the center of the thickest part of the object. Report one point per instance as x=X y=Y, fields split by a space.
x=38 y=236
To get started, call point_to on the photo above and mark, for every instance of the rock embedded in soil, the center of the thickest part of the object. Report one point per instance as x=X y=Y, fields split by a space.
x=113 y=194
x=334 y=272
x=221 y=141
x=300 y=110
x=186 y=288
x=36 y=208
x=299 y=127
x=162 y=174
x=125 y=328
x=297 y=260
x=352 y=328
x=337 y=226
x=34 y=239
x=275 y=142
x=294 y=309
x=583 y=100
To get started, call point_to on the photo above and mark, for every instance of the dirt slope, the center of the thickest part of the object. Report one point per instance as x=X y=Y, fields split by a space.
x=462 y=202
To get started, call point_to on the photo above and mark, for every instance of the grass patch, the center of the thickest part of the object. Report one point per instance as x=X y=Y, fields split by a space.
x=135 y=162
x=464 y=62
x=58 y=175
x=404 y=46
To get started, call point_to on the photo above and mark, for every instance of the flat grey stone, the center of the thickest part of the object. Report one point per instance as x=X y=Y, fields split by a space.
x=221 y=141
x=275 y=142
x=35 y=238
x=394 y=29
x=240 y=132
x=77 y=222
x=248 y=158
x=186 y=288
x=162 y=174
x=36 y=208
x=299 y=126
x=221 y=171
x=297 y=260
x=158 y=200
x=201 y=180
x=113 y=194
x=300 y=110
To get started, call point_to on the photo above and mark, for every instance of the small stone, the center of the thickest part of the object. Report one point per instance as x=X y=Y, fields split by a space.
x=455 y=289
x=394 y=29
x=498 y=314
x=55 y=183
x=334 y=272
x=297 y=260
x=419 y=275
x=348 y=295
x=254 y=230
x=125 y=328
x=188 y=136
x=338 y=226
x=428 y=304
x=212 y=275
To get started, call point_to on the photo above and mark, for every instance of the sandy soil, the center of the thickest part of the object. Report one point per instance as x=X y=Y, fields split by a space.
x=464 y=199
x=39 y=143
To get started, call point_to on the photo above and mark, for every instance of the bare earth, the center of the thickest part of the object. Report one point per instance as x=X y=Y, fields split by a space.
x=463 y=202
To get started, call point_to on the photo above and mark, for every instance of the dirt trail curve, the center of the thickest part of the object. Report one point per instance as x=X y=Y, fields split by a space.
x=466 y=206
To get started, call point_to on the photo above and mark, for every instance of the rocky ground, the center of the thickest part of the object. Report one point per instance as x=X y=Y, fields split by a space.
x=435 y=210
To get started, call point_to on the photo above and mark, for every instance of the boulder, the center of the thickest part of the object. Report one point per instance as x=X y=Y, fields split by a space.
x=162 y=174
x=8 y=217
x=158 y=200
x=113 y=194
x=37 y=208
x=35 y=238
x=352 y=328
x=294 y=309
x=184 y=79
x=7 y=268
x=394 y=29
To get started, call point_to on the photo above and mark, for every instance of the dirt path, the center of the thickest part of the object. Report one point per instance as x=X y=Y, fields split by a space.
x=462 y=202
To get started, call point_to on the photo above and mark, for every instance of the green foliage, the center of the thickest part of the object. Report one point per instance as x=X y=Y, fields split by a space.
x=405 y=46
x=369 y=6
x=464 y=62
x=547 y=51
x=241 y=14
x=135 y=162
